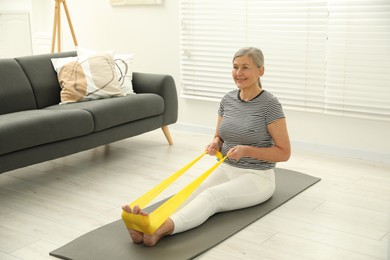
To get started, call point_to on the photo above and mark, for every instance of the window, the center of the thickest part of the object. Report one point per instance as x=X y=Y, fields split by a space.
x=326 y=56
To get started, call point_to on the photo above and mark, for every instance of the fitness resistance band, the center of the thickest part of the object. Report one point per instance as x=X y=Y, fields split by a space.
x=150 y=223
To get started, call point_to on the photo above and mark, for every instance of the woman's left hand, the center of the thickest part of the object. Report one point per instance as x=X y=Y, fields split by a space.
x=236 y=153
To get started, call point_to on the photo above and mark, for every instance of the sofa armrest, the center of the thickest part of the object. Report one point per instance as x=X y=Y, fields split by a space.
x=163 y=85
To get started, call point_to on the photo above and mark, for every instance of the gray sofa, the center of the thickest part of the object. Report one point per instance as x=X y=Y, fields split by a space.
x=34 y=128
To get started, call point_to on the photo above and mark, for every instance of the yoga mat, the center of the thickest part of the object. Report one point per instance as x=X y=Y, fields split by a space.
x=112 y=241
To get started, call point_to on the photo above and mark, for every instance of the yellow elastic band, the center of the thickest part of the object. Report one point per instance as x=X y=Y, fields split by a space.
x=150 y=223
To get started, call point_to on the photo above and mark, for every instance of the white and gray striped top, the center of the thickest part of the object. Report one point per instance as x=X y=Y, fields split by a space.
x=245 y=123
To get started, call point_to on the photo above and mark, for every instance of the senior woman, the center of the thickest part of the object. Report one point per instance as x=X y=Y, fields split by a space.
x=252 y=131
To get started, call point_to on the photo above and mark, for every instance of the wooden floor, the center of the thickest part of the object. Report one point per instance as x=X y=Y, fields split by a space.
x=344 y=216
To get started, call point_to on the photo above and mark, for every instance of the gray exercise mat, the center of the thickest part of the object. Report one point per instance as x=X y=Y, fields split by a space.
x=112 y=241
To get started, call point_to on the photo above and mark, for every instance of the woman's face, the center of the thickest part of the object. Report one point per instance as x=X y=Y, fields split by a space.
x=245 y=72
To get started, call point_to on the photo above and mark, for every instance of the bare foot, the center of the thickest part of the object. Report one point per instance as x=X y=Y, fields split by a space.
x=135 y=235
x=164 y=230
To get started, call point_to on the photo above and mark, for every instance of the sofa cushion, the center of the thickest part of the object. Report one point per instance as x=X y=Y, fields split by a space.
x=15 y=90
x=42 y=76
x=31 y=128
x=87 y=77
x=111 y=112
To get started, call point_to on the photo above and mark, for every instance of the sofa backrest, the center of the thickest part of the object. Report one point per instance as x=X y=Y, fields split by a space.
x=15 y=90
x=42 y=76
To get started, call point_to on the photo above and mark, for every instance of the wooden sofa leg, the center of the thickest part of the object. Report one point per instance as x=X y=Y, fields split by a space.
x=167 y=134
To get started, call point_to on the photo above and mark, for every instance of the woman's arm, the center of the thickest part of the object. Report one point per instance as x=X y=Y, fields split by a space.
x=217 y=142
x=280 y=152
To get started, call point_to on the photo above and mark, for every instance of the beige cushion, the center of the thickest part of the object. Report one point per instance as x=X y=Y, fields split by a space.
x=123 y=67
x=85 y=78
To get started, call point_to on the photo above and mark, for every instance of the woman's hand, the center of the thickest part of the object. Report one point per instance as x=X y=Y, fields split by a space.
x=214 y=146
x=237 y=152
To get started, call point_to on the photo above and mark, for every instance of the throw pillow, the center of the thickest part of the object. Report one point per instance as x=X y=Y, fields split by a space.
x=124 y=71
x=87 y=78
x=123 y=67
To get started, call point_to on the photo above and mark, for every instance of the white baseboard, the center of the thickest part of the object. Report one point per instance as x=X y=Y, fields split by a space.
x=197 y=129
x=301 y=145
x=342 y=152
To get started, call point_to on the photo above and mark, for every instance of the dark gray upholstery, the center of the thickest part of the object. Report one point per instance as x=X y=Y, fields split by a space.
x=34 y=128
x=42 y=76
x=111 y=112
x=15 y=90
x=37 y=127
x=161 y=85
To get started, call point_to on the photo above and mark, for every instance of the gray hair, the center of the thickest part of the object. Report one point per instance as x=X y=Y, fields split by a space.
x=255 y=54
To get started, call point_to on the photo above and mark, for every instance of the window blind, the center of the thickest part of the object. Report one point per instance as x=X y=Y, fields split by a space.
x=358 y=58
x=326 y=56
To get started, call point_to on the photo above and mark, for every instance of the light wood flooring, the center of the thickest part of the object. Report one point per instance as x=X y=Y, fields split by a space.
x=344 y=216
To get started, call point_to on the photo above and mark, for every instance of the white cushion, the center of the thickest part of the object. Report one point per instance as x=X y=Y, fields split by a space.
x=85 y=78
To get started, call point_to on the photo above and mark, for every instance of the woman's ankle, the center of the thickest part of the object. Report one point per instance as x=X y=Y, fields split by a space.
x=165 y=230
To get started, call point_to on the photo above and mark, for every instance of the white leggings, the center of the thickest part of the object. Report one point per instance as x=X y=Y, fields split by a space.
x=227 y=188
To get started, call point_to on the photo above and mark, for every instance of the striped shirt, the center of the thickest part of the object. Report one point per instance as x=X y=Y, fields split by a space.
x=245 y=123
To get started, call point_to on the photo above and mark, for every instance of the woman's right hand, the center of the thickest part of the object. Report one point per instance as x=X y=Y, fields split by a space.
x=213 y=147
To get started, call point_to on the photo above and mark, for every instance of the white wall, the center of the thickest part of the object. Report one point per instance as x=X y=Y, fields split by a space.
x=152 y=33
x=14 y=5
